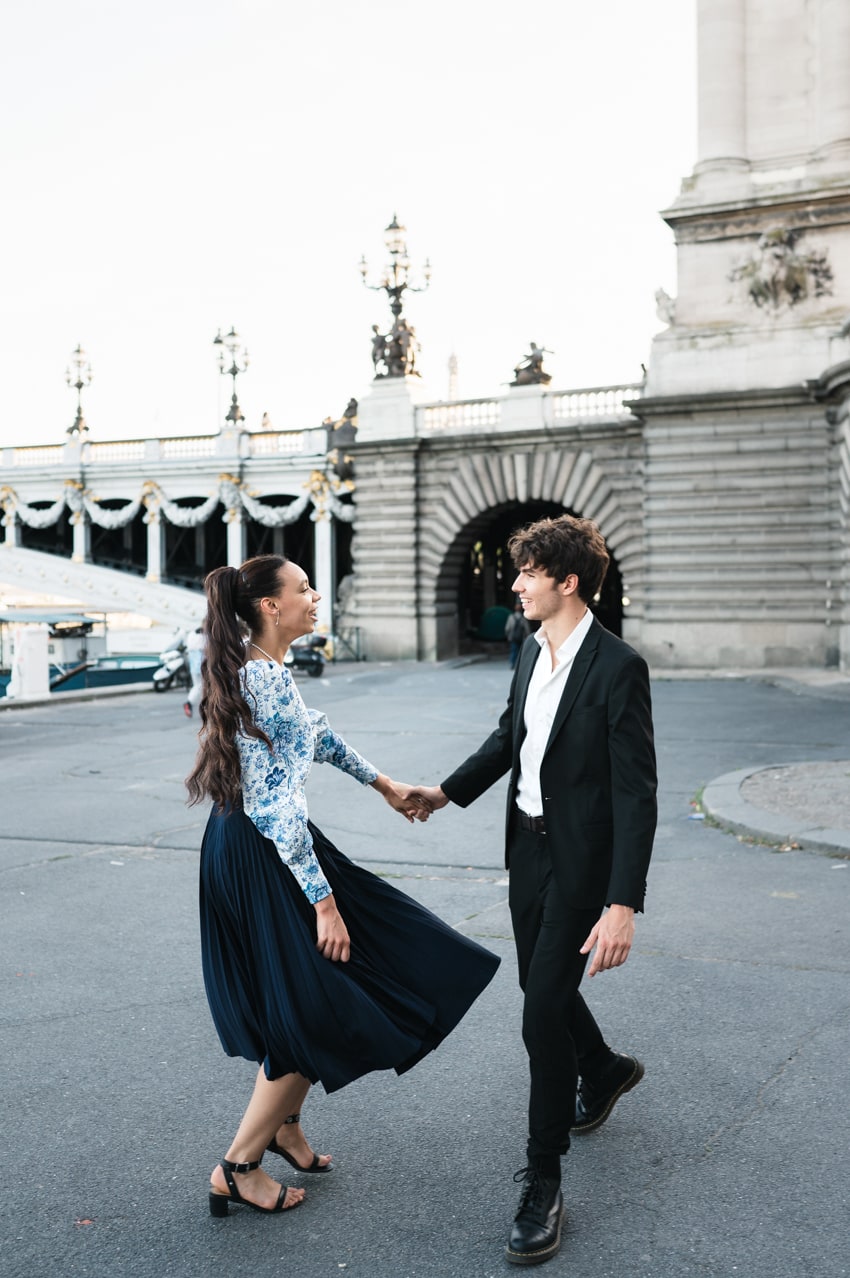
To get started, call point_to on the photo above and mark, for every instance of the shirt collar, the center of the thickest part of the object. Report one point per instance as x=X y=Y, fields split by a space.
x=573 y=641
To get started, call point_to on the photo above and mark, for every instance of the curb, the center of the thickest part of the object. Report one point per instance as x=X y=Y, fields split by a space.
x=79 y=694
x=723 y=802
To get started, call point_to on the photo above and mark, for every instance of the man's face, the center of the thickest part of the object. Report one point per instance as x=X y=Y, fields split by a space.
x=541 y=596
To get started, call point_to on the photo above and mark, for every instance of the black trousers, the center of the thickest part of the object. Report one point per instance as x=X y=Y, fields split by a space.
x=561 y=1037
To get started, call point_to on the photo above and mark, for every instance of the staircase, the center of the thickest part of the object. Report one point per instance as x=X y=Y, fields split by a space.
x=100 y=589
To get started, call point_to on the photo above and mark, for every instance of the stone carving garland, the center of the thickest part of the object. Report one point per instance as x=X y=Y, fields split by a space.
x=230 y=492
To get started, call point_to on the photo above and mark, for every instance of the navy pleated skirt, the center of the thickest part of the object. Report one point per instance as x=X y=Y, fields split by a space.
x=275 y=1000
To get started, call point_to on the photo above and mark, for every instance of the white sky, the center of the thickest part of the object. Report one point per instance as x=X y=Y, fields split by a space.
x=178 y=166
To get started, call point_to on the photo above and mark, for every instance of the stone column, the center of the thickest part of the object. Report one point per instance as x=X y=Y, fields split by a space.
x=834 y=82
x=324 y=567
x=389 y=409
x=12 y=525
x=385 y=550
x=81 y=552
x=721 y=74
x=235 y=537
x=156 y=545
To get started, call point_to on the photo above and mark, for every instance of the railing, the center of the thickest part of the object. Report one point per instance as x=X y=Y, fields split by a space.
x=189 y=446
x=549 y=407
x=39 y=455
x=275 y=443
x=121 y=450
x=468 y=415
x=465 y=414
x=595 y=401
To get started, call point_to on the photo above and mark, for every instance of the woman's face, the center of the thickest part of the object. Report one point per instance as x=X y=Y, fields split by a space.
x=296 y=602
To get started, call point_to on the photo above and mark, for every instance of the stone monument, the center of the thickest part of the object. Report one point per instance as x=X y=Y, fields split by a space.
x=741 y=411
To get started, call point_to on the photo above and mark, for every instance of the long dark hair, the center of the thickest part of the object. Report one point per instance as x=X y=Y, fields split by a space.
x=232 y=593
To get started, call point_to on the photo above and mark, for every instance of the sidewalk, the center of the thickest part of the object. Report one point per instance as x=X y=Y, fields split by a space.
x=802 y=805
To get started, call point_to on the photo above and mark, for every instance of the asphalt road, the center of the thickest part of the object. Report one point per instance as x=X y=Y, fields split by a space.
x=731 y=1158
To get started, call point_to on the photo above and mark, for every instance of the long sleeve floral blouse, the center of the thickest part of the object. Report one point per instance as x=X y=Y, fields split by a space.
x=273 y=783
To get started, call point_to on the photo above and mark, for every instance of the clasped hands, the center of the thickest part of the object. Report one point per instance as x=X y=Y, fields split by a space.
x=414 y=802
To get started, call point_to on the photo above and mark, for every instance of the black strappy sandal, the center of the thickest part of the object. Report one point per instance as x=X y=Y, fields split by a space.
x=314 y=1167
x=219 y=1202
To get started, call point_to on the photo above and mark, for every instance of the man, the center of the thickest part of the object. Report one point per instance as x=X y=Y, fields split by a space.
x=576 y=737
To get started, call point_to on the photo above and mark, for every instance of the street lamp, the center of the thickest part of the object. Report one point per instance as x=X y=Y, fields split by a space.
x=394 y=353
x=80 y=377
x=231 y=343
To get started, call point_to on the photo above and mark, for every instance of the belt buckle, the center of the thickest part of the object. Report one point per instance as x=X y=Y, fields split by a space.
x=535 y=824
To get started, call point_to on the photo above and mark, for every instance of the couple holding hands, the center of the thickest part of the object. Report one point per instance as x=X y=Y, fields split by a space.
x=321 y=972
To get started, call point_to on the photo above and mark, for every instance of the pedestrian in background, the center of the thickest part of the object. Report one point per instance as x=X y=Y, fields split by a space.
x=314 y=968
x=517 y=630
x=195 y=645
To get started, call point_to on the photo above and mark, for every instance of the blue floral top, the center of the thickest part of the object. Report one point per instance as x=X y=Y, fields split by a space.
x=273 y=783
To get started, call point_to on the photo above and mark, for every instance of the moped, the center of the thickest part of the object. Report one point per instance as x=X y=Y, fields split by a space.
x=173 y=668
x=306 y=654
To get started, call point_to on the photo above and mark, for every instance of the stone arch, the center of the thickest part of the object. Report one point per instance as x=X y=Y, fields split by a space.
x=480 y=486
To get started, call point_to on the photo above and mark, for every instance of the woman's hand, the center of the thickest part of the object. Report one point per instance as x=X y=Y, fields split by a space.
x=406 y=799
x=333 y=940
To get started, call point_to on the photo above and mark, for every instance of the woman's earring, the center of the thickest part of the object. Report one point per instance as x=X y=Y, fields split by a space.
x=277 y=618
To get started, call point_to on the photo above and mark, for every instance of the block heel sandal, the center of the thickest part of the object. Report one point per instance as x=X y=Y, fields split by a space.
x=219 y=1203
x=315 y=1166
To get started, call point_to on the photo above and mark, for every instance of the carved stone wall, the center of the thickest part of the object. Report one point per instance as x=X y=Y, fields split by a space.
x=419 y=507
x=741 y=532
x=835 y=388
x=762 y=225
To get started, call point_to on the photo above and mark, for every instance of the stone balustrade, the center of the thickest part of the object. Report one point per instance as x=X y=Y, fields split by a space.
x=536 y=404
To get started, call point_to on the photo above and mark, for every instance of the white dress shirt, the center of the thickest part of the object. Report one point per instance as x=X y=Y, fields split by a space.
x=544 y=694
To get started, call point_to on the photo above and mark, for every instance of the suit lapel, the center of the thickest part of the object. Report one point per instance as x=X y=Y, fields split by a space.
x=527 y=660
x=582 y=663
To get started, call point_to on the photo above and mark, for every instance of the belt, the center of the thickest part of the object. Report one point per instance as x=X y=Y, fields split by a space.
x=536 y=825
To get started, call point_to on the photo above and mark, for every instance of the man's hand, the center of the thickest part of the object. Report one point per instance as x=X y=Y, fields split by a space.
x=431 y=795
x=612 y=936
x=332 y=935
x=407 y=799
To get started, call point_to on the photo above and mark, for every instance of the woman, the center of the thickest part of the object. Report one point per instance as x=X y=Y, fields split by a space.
x=313 y=967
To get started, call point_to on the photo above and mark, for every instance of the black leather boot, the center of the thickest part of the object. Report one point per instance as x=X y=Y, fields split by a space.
x=596 y=1099
x=536 y=1232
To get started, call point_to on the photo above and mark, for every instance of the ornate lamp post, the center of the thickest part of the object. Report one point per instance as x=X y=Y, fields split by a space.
x=394 y=353
x=231 y=343
x=79 y=378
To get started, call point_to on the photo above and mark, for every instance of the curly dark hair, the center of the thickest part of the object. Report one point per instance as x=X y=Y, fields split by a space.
x=561 y=546
x=232 y=594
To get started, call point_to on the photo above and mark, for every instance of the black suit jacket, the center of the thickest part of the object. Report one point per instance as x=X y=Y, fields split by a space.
x=597 y=776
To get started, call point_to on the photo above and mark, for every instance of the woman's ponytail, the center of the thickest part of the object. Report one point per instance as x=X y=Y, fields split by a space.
x=232 y=596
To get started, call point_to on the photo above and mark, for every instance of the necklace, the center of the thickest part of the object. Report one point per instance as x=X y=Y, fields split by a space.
x=263 y=651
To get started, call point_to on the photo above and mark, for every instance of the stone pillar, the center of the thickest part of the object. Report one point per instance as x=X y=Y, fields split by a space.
x=81 y=553
x=324 y=568
x=156 y=545
x=389 y=409
x=834 y=83
x=235 y=537
x=386 y=570
x=12 y=525
x=721 y=74
x=524 y=407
